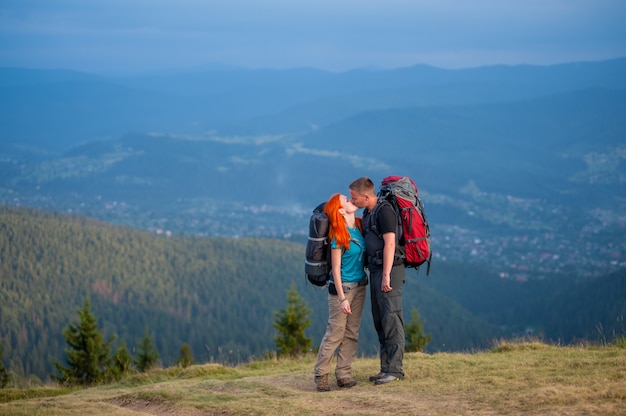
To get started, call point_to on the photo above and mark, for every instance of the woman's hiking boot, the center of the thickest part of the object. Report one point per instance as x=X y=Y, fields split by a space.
x=322 y=383
x=346 y=384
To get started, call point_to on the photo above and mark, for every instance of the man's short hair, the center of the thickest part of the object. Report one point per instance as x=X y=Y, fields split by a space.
x=363 y=186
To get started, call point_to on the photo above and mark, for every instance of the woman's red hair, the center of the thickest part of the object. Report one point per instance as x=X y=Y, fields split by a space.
x=338 y=229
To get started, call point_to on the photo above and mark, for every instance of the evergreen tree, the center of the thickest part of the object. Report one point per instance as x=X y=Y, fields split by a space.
x=147 y=355
x=122 y=361
x=416 y=340
x=291 y=323
x=4 y=374
x=186 y=358
x=88 y=356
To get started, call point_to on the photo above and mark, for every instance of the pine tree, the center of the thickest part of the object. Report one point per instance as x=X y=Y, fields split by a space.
x=4 y=374
x=291 y=323
x=186 y=358
x=416 y=340
x=147 y=355
x=122 y=362
x=88 y=357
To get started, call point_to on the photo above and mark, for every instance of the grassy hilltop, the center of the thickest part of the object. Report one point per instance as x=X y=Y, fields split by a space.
x=510 y=379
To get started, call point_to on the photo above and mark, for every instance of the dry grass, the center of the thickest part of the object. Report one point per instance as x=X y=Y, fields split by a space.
x=513 y=379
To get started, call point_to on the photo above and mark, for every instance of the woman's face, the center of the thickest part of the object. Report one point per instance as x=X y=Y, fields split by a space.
x=347 y=204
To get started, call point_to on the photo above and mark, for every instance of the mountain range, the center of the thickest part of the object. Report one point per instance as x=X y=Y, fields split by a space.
x=520 y=167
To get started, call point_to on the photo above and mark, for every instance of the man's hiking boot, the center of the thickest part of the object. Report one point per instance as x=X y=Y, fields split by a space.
x=321 y=382
x=346 y=384
x=377 y=376
x=388 y=378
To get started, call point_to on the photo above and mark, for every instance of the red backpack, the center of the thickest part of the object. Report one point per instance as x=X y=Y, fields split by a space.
x=414 y=233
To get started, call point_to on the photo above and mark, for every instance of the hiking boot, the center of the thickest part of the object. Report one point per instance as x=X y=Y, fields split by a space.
x=388 y=378
x=321 y=382
x=377 y=376
x=346 y=384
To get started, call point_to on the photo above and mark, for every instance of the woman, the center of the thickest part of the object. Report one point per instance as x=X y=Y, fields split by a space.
x=346 y=293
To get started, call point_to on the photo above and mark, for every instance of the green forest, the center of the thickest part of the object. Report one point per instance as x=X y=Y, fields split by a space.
x=219 y=295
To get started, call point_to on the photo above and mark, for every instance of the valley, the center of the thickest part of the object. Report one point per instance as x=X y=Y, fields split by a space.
x=519 y=238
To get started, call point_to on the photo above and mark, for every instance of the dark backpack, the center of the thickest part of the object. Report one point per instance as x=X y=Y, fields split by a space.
x=413 y=231
x=317 y=263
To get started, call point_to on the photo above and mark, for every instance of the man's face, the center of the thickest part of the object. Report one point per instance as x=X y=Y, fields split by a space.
x=359 y=200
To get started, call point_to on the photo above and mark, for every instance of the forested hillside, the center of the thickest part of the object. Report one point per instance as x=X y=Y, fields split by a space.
x=218 y=294
x=209 y=293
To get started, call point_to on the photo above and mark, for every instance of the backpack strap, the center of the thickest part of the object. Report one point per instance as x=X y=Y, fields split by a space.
x=399 y=253
x=374 y=219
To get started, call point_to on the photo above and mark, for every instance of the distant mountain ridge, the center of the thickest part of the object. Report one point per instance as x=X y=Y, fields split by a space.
x=531 y=156
x=194 y=102
x=535 y=148
x=443 y=146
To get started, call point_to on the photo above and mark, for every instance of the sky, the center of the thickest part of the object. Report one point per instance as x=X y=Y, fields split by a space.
x=337 y=35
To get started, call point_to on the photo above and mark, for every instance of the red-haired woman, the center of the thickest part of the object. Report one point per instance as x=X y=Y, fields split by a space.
x=346 y=293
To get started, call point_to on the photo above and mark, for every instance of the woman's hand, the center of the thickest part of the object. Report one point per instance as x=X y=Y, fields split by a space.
x=345 y=307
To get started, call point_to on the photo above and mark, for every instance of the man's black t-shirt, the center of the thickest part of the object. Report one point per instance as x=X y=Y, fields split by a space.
x=386 y=223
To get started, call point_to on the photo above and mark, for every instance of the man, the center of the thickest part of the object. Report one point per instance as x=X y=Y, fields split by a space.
x=387 y=275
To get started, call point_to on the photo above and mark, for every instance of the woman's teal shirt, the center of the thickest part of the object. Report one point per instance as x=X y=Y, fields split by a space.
x=352 y=260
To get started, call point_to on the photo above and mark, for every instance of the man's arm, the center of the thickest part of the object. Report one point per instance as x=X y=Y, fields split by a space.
x=389 y=251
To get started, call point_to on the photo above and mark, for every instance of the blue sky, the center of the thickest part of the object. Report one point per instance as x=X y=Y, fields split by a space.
x=337 y=35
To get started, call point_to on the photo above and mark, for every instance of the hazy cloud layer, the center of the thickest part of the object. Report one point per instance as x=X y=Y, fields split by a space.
x=98 y=35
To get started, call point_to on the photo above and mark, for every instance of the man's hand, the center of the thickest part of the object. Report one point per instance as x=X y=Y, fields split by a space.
x=386 y=283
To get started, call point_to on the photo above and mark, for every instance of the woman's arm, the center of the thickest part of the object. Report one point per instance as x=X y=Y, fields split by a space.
x=335 y=260
x=335 y=256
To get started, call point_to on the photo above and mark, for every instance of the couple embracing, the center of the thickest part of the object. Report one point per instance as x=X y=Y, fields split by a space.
x=355 y=244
